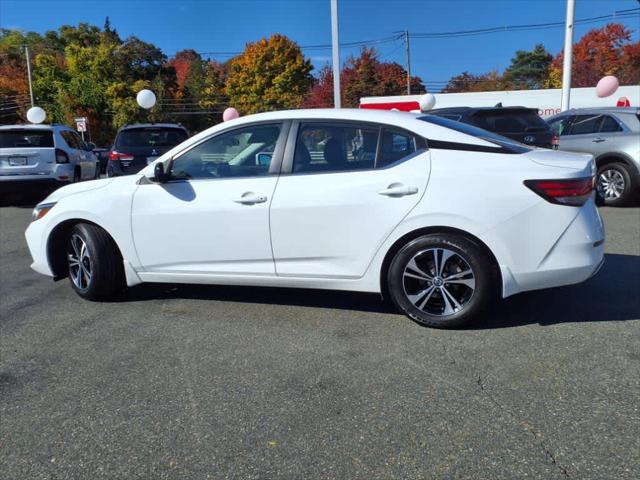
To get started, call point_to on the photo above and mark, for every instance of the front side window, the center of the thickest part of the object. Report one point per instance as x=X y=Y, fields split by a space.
x=584 y=124
x=331 y=148
x=559 y=125
x=244 y=152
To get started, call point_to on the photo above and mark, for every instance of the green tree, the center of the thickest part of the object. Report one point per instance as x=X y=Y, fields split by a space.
x=270 y=74
x=528 y=70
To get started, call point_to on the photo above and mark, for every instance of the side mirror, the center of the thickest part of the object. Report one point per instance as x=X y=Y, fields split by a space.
x=159 y=175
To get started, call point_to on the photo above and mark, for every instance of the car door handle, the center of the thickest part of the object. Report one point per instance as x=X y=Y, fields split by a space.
x=398 y=190
x=250 y=198
x=598 y=140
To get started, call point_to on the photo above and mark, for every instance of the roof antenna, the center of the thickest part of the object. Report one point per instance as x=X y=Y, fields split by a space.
x=498 y=105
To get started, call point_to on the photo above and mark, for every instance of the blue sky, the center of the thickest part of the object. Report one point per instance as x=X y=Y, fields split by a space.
x=226 y=25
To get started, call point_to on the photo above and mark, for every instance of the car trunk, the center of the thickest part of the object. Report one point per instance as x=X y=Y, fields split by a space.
x=579 y=162
x=26 y=152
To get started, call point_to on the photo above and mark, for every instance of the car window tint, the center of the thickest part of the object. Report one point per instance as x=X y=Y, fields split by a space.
x=330 y=148
x=244 y=152
x=509 y=121
x=583 y=124
x=70 y=139
x=609 y=124
x=26 y=138
x=395 y=145
x=559 y=125
x=151 y=137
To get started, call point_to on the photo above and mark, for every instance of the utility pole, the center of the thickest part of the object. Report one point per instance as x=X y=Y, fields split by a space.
x=26 y=52
x=565 y=103
x=335 y=48
x=406 y=40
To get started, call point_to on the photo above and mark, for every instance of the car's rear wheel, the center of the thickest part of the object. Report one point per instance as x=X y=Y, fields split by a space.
x=76 y=175
x=442 y=280
x=95 y=266
x=613 y=185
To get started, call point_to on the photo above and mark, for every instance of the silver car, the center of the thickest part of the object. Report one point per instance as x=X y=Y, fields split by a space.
x=41 y=157
x=612 y=135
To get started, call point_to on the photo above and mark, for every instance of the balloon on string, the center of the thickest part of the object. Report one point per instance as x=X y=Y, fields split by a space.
x=146 y=98
x=229 y=114
x=36 y=115
x=607 y=86
x=427 y=101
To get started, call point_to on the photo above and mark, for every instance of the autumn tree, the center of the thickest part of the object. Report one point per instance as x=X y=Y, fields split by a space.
x=601 y=51
x=270 y=74
x=468 y=82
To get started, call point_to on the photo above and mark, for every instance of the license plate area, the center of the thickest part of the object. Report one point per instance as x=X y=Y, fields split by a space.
x=17 y=161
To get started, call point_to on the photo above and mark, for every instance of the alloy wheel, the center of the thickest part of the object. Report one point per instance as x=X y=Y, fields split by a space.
x=79 y=262
x=610 y=184
x=438 y=281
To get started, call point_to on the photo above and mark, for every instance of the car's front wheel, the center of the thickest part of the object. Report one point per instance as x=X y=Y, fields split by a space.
x=442 y=280
x=613 y=185
x=95 y=266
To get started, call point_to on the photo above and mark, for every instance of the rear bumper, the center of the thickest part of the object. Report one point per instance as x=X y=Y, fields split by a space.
x=575 y=257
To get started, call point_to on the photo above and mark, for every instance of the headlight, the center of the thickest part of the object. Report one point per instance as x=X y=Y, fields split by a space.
x=41 y=210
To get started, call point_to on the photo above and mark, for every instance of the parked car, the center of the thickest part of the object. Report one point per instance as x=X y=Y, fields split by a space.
x=518 y=123
x=612 y=135
x=103 y=157
x=138 y=145
x=43 y=157
x=439 y=216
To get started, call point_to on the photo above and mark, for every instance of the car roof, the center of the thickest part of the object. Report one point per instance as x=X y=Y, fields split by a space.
x=583 y=111
x=480 y=109
x=152 y=125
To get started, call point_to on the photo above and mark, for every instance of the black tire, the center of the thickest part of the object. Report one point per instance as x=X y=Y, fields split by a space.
x=105 y=279
x=96 y=175
x=110 y=171
x=473 y=300
x=77 y=177
x=619 y=172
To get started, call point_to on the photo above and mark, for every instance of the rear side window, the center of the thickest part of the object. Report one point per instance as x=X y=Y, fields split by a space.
x=26 y=138
x=509 y=122
x=150 y=137
x=395 y=145
x=609 y=125
x=71 y=139
x=332 y=147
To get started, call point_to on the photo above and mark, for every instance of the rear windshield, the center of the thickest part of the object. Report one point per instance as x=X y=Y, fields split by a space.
x=494 y=138
x=510 y=121
x=151 y=137
x=26 y=138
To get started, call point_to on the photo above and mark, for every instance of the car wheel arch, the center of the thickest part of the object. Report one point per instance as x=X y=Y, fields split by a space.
x=412 y=235
x=56 y=248
x=613 y=157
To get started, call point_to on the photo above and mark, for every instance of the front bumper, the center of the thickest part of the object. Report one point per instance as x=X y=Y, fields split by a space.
x=36 y=241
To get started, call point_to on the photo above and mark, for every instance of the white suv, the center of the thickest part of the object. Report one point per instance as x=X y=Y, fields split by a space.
x=43 y=156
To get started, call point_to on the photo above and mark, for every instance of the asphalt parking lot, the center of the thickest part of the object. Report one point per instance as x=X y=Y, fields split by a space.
x=219 y=382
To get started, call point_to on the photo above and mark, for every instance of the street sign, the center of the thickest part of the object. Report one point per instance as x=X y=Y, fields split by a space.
x=81 y=124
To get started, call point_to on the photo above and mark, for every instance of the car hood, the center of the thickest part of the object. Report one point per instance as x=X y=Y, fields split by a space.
x=76 y=188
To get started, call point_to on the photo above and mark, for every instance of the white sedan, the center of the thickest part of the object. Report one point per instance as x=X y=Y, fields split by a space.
x=440 y=217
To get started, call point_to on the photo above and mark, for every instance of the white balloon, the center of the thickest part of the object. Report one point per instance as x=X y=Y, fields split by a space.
x=146 y=98
x=36 y=115
x=427 y=102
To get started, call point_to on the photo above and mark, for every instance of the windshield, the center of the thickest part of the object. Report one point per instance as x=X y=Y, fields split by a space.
x=151 y=137
x=465 y=128
x=26 y=138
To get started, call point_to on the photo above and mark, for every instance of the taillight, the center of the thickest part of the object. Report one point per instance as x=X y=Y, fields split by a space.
x=574 y=192
x=555 y=142
x=61 y=156
x=115 y=155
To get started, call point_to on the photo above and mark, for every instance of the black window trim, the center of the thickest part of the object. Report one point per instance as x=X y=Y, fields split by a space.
x=276 y=159
x=287 y=164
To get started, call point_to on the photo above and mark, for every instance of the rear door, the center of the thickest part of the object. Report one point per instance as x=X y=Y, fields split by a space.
x=26 y=151
x=345 y=186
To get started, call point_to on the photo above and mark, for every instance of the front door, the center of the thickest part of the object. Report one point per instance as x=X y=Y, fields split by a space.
x=349 y=186
x=213 y=217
